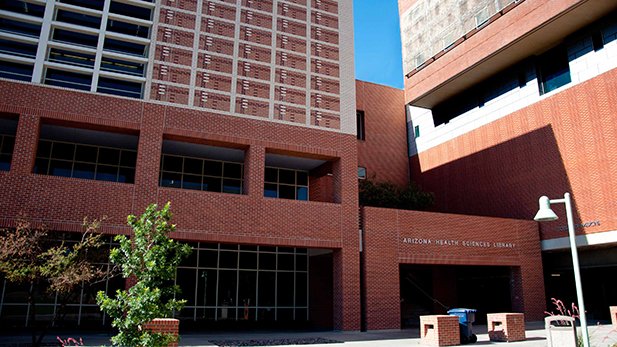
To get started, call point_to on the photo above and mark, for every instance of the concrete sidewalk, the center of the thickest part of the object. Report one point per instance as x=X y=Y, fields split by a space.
x=536 y=337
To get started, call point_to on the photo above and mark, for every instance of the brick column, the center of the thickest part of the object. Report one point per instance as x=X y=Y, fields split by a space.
x=530 y=284
x=166 y=326
x=149 y=158
x=614 y=316
x=346 y=260
x=254 y=166
x=26 y=141
x=381 y=269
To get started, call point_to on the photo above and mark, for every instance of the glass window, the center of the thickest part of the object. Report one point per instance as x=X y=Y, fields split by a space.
x=121 y=66
x=286 y=184
x=76 y=160
x=360 y=124
x=554 y=69
x=118 y=87
x=361 y=173
x=200 y=174
x=75 y=38
x=93 y=4
x=7 y=143
x=27 y=29
x=18 y=48
x=125 y=47
x=128 y=28
x=16 y=71
x=130 y=10
x=78 y=19
x=23 y=7
x=68 y=79
x=71 y=58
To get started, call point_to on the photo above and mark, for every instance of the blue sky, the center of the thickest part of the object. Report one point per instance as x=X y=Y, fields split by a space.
x=378 y=42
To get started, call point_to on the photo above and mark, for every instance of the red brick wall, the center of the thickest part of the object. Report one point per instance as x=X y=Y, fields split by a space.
x=504 y=31
x=251 y=219
x=168 y=326
x=384 y=150
x=564 y=143
x=391 y=237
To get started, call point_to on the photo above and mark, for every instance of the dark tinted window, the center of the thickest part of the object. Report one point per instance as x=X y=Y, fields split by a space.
x=554 y=69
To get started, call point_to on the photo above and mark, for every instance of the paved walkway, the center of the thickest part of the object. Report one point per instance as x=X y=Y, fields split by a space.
x=535 y=333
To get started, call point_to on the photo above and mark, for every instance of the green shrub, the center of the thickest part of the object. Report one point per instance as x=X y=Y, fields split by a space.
x=150 y=257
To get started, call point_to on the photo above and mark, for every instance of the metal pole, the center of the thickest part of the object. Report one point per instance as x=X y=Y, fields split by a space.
x=577 y=271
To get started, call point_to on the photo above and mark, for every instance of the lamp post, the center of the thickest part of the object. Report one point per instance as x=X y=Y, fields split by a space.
x=546 y=214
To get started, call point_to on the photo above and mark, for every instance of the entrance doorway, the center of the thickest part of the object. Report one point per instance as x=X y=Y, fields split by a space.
x=435 y=289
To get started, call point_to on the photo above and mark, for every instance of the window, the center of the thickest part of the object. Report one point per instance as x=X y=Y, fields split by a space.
x=128 y=28
x=125 y=47
x=68 y=79
x=121 y=66
x=23 y=7
x=23 y=28
x=417 y=131
x=286 y=184
x=361 y=173
x=93 y=4
x=360 y=124
x=135 y=11
x=244 y=282
x=201 y=174
x=66 y=159
x=597 y=40
x=117 y=87
x=482 y=17
x=554 y=69
x=78 y=19
x=75 y=38
x=18 y=48
x=16 y=71
x=71 y=58
x=7 y=143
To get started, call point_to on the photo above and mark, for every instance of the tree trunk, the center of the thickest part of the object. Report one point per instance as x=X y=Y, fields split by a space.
x=55 y=316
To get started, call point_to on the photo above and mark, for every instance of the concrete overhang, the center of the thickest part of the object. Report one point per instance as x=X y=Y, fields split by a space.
x=536 y=41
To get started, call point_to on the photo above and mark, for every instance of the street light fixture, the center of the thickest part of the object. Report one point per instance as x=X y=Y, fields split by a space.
x=546 y=214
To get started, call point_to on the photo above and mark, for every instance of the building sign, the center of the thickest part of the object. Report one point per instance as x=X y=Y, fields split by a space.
x=463 y=243
x=584 y=225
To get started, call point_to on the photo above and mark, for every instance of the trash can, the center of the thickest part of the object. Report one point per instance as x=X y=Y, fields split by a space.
x=466 y=316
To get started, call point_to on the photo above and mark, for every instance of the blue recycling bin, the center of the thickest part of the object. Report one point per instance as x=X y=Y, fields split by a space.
x=466 y=316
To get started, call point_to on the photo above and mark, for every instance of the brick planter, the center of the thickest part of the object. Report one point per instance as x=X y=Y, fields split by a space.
x=506 y=327
x=439 y=330
x=614 y=316
x=164 y=325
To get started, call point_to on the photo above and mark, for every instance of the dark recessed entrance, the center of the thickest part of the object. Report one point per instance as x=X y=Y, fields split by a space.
x=434 y=289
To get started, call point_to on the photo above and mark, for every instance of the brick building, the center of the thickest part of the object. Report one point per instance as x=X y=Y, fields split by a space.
x=511 y=100
x=246 y=116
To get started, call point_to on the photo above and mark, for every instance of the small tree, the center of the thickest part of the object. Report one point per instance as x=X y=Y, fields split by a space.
x=33 y=257
x=389 y=195
x=151 y=257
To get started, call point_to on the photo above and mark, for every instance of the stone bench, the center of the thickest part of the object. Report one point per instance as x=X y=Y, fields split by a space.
x=506 y=327
x=439 y=330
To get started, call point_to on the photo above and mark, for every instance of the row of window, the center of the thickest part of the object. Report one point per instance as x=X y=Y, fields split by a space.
x=101 y=163
x=124 y=19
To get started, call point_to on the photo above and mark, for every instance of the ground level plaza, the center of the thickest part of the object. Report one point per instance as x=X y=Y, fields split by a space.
x=535 y=333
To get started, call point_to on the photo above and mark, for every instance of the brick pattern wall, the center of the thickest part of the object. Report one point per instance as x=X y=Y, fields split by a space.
x=240 y=40
x=384 y=149
x=62 y=202
x=582 y=164
x=506 y=327
x=439 y=330
x=392 y=237
x=167 y=326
